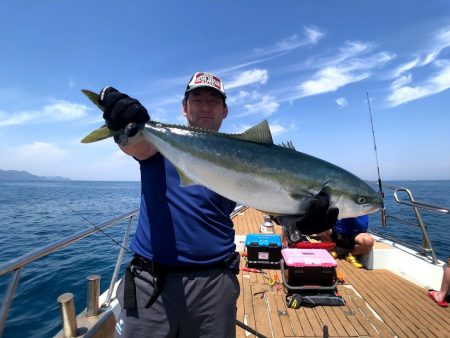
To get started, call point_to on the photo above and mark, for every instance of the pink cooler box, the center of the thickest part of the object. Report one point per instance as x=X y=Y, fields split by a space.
x=308 y=268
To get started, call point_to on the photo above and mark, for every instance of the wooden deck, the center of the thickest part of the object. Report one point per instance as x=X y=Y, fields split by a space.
x=378 y=303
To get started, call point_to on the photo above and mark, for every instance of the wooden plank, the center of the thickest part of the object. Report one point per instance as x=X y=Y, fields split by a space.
x=277 y=329
x=287 y=326
x=263 y=322
x=373 y=326
x=248 y=317
x=335 y=322
x=377 y=300
x=358 y=321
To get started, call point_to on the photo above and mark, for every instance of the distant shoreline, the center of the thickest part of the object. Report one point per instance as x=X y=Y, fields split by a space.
x=16 y=175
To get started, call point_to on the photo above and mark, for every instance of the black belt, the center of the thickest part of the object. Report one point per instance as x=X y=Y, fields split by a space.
x=154 y=268
x=158 y=271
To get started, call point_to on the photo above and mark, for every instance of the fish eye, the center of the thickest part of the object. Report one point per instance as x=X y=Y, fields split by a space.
x=361 y=200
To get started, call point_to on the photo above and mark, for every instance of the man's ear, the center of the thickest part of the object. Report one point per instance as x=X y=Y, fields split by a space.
x=225 y=111
x=183 y=109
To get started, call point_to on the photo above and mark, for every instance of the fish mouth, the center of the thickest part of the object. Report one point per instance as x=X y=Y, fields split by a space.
x=373 y=208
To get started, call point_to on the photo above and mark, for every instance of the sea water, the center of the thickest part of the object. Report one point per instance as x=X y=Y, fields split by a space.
x=38 y=213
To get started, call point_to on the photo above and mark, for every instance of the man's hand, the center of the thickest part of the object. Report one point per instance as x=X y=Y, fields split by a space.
x=318 y=217
x=120 y=110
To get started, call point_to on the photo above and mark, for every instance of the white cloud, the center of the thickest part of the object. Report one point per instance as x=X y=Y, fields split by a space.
x=238 y=98
x=7 y=119
x=419 y=61
x=40 y=152
x=402 y=81
x=255 y=103
x=402 y=88
x=352 y=48
x=349 y=51
x=277 y=129
x=249 y=77
x=244 y=97
x=342 y=102
x=58 y=111
x=313 y=34
x=441 y=41
x=406 y=66
x=440 y=81
x=288 y=43
x=63 y=110
x=336 y=75
x=330 y=79
x=265 y=107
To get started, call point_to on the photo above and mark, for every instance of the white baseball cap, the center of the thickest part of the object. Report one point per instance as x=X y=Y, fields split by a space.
x=201 y=79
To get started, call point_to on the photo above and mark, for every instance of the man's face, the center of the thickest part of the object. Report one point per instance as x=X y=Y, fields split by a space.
x=204 y=108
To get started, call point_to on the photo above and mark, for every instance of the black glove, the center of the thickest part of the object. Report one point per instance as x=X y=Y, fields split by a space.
x=318 y=216
x=120 y=110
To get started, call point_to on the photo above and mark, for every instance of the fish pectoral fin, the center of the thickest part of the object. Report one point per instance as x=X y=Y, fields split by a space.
x=259 y=133
x=184 y=179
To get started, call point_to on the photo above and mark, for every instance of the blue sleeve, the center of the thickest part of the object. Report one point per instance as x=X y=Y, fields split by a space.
x=362 y=223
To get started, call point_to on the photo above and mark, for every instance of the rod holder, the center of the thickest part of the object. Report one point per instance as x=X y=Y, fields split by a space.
x=93 y=294
x=68 y=318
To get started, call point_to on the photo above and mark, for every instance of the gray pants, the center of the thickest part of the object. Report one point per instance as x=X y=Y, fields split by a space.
x=194 y=304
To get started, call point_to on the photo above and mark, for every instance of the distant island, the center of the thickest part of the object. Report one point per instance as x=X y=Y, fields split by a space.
x=15 y=175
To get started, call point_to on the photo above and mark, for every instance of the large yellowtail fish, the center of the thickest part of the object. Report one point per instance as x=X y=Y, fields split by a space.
x=248 y=168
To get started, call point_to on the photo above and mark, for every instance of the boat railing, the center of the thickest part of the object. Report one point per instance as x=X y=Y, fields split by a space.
x=16 y=265
x=405 y=197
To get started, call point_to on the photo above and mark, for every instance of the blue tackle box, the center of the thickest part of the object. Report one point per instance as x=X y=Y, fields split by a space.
x=263 y=251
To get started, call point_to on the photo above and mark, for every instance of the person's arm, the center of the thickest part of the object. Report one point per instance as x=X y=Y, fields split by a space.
x=123 y=112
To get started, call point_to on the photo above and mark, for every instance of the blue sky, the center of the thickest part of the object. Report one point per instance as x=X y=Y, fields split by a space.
x=306 y=66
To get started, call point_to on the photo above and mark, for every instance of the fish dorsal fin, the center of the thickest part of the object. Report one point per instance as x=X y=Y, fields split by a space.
x=184 y=179
x=288 y=145
x=259 y=133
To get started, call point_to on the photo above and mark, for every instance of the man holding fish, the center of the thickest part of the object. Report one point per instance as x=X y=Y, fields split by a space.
x=181 y=281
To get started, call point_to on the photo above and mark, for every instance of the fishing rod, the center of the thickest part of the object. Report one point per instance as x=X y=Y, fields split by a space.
x=97 y=228
x=383 y=210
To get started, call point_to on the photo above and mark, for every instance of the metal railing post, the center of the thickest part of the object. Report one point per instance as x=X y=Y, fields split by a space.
x=93 y=294
x=68 y=318
x=426 y=242
x=10 y=292
x=118 y=263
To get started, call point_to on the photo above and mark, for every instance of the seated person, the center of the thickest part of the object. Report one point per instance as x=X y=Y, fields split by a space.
x=350 y=234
